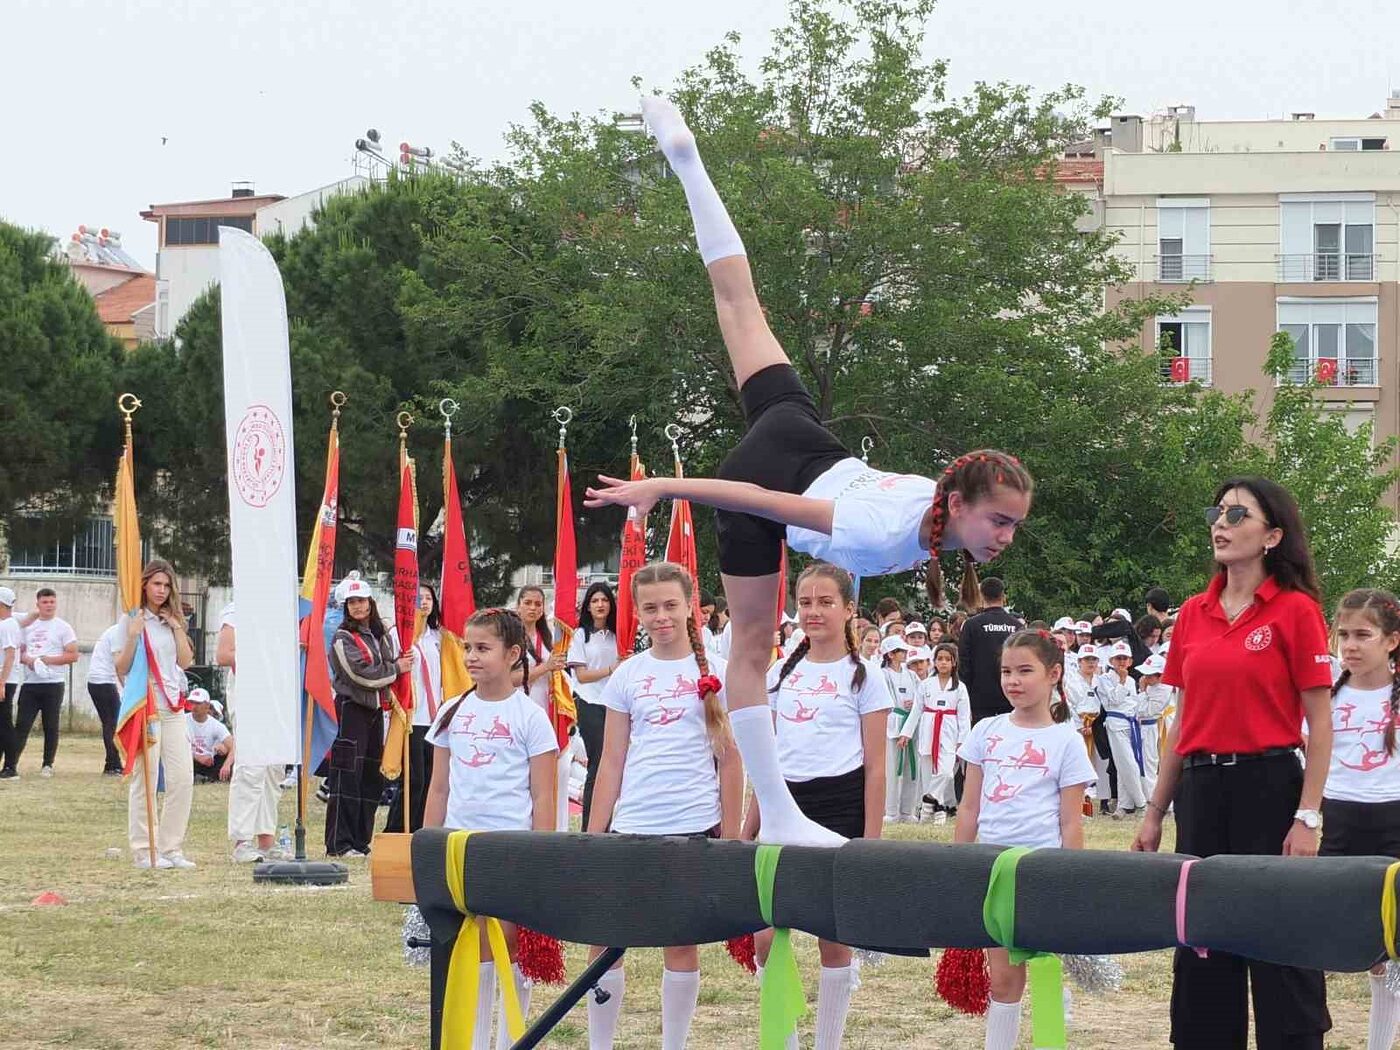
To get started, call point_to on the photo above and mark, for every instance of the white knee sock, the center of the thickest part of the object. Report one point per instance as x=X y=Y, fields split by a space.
x=833 y=1002
x=680 y=991
x=791 y=1043
x=522 y=993
x=714 y=230
x=602 y=1020
x=1003 y=1025
x=1385 y=1015
x=485 y=1005
x=783 y=823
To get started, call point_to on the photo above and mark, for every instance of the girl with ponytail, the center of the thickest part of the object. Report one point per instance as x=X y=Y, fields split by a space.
x=1361 y=802
x=668 y=767
x=792 y=478
x=830 y=708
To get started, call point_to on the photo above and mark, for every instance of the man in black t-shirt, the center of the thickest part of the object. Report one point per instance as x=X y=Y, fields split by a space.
x=979 y=651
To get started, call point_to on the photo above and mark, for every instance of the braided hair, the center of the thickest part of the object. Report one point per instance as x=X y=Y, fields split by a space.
x=847 y=589
x=1047 y=651
x=716 y=717
x=974 y=476
x=1383 y=610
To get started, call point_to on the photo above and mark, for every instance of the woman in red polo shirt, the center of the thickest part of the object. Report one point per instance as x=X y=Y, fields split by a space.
x=1250 y=657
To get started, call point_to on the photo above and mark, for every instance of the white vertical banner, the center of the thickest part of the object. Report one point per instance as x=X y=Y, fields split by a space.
x=261 y=500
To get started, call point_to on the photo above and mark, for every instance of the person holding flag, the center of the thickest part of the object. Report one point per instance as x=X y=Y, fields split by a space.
x=426 y=678
x=153 y=656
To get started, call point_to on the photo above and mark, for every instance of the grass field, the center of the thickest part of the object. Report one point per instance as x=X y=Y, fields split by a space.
x=206 y=959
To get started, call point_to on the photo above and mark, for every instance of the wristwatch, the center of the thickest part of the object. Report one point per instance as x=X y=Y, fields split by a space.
x=1310 y=818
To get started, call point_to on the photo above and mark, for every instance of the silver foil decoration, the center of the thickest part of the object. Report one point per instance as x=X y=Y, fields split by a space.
x=865 y=957
x=415 y=929
x=1094 y=974
x=1392 y=978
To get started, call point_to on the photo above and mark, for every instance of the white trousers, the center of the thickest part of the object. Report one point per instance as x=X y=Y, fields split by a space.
x=171 y=749
x=940 y=784
x=1151 y=754
x=901 y=792
x=1120 y=742
x=561 y=791
x=253 y=792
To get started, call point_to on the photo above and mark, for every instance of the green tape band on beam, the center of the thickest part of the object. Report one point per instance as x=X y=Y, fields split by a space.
x=1044 y=972
x=780 y=1000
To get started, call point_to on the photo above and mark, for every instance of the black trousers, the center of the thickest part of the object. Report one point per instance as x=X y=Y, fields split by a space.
x=420 y=772
x=8 y=758
x=107 y=700
x=591 y=719
x=355 y=783
x=210 y=773
x=39 y=700
x=1242 y=809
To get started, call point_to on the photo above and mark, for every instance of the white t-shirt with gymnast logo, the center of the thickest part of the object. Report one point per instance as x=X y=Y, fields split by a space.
x=47 y=638
x=1023 y=772
x=1361 y=770
x=669 y=782
x=818 y=716
x=876 y=522
x=491 y=744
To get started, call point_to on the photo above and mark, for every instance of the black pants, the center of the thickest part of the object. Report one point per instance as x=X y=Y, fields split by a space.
x=420 y=773
x=8 y=758
x=107 y=700
x=210 y=773
x=591 y=719
x=39 y=699
x=1242 y=809
x=355 y=783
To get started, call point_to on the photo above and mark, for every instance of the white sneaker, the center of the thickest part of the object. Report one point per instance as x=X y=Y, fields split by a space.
x=288 y=782
x=354 y=853
x=176 y=859
x=247 y=853
x=46 y=772
x=143 y=861
x=940 y=818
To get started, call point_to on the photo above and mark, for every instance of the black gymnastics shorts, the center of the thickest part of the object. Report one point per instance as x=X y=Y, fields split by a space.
x=1360 y=829
x=836 y=803
x=785 y=449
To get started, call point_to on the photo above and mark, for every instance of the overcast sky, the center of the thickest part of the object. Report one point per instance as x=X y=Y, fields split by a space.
x=278 y=92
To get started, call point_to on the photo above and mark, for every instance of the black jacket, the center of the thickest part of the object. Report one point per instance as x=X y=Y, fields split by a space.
x=1111 y=630
x=979 y=659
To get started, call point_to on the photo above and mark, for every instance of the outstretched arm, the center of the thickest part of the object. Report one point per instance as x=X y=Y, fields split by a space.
x=741 y=496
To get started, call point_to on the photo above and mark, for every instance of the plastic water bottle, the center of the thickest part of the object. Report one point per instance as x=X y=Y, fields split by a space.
x=284 y=839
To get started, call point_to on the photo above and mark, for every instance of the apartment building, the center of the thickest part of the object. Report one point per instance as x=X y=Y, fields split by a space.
x=1288 y=225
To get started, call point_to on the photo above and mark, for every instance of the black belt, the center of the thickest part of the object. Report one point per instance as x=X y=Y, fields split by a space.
x=1208 y=758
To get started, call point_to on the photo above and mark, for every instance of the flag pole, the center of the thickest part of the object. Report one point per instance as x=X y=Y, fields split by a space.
x=405 y=420
x=127 y=404
x=563 y=415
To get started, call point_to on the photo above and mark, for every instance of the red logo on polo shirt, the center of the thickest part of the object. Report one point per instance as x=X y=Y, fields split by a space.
x=1259 y=639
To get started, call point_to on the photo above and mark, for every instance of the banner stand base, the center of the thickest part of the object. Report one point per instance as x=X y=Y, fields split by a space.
x=302 y=873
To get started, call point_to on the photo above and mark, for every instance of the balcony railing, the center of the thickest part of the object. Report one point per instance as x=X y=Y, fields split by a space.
x=1181 y=268
x=1346 y=371
x=1327 y=266
x=1187 y=370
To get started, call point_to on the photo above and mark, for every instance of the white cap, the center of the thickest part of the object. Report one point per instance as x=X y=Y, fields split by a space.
x=7 y=597
x=1123 y=614
x=1154 y=664
x=353 y=587
x=920 y=652
x=895 y=644
x=1118 y=648
x=1088 y=651
x=1064 y=623
x=1083 y=627
x=200 y=695
x=915 y=628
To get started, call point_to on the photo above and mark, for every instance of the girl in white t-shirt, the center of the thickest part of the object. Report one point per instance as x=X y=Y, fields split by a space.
x=830 y=709
x=592 y=657
x=902 y=773
x=1026 y=773
x=944 y=723
x=1361 y=802
x=790 y=477
x=494 y=763
x=668 y=767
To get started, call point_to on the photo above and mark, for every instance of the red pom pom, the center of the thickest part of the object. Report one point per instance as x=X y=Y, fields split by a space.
x=963 y=981
x=741 y=951
x=540 y=956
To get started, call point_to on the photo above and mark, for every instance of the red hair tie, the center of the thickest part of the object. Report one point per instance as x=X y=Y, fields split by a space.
x=709 y=684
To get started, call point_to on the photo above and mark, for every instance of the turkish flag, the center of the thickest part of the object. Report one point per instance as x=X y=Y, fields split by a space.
x=1327 y=370
x=1181 y=370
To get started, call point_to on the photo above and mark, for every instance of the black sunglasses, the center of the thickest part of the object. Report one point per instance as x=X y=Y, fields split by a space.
x=1233 y=514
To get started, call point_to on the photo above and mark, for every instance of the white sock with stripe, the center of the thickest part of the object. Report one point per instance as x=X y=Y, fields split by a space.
x=485 y=1004
x=680 y=991
x=522 y=993
x=833 y=1003
x=1385 y=1015
x=602 y=1018
x=1003 y=1025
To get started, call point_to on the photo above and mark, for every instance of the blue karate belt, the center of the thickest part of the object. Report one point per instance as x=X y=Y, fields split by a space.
x=1134 y=734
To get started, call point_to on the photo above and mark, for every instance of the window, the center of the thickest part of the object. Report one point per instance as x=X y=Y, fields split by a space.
x=37 y=545
x=1184 y=341
x=1327 y=239
x=1353 y=144
x=203 y=229
x=1334 y=341
x=1183 y=239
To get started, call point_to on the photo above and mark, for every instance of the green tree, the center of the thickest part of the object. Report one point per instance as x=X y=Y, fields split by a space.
x=1342 y=481
x=58 y=416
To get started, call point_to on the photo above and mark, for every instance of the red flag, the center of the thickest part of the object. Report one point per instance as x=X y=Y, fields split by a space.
x=565 y=551
x=1327 y=371
x=1181 y=370
x=316 y=583
x=634 y=556
x=680 y=548
x=406 y=579
x=458 y=599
